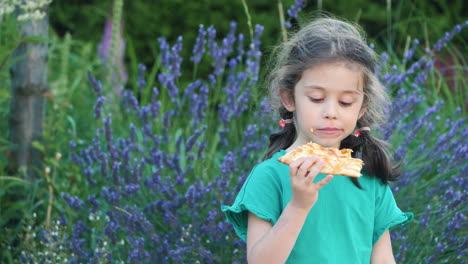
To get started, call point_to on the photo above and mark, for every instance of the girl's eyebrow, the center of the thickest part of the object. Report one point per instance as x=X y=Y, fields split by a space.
x=314 y=86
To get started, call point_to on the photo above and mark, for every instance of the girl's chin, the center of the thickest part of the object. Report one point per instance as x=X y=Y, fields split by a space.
x=327 y=143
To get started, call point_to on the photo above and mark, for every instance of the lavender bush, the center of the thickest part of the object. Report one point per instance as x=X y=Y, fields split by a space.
x=431 y=141
x=160 y=166
x=158 y=184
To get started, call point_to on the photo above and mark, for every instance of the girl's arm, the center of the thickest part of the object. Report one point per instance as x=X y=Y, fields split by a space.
x=382 y=251
x=273 y=244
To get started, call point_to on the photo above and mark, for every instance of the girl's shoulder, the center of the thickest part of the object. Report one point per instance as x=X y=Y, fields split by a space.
x=270 y=169
x=373 y=185
x=272 y=162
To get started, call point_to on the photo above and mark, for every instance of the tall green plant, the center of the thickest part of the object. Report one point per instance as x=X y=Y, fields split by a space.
x=25 y=206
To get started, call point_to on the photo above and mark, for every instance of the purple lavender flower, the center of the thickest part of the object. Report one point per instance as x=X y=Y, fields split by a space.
x=97 y=86
x=73 y=201
x=201 y=103
x=111 y=195
x=191 y=141
x=448 y=36
x=176 y=59
x=130 y=101
x=199 y=47
x=219 y=53
x=404 y=104
x=201 y=148
x=190 y=90
x=212 y=45
x=104 y=49
x=295 y=8
x=77 y=242
x=410 y=53
x=139 y=253
x=141 y=79
x=229 y=164
x=422 y=76
x=293 y=12
x=98 y=107
x=287 y=24
x=383 y=61
x=240 y=47
x=252 y=144
x=93 y=201
x=164 y=49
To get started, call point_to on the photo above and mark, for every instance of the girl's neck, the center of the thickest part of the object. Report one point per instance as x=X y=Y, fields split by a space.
x=296 y=144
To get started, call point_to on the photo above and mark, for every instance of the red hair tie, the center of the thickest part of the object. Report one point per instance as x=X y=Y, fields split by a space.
x=357 y=132
x=283 y=122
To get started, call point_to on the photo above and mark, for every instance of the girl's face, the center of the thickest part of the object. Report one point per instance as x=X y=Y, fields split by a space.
x=328 y=99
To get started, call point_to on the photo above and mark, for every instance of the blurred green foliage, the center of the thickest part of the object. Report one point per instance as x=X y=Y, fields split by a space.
x=390 y=25
x=388 y=22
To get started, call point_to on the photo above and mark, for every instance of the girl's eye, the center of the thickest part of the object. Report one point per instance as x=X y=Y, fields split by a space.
x=345 y=103
x=315 y=100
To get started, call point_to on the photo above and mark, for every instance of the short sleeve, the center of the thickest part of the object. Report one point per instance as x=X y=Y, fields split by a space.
x=387 y=213
x=260 y=195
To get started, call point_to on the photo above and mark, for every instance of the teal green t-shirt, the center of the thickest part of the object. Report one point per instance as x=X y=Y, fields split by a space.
x=341 y=227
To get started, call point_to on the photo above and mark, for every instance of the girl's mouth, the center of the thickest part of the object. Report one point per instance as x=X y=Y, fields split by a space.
x=328 y=130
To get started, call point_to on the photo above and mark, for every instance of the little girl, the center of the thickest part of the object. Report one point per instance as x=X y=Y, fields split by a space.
x=326 y=92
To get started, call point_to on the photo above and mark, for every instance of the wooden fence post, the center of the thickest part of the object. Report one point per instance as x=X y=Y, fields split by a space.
x=27 y=109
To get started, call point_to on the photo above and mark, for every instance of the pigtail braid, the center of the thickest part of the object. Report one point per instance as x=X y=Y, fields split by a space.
x=374 y=153
x=284 y=138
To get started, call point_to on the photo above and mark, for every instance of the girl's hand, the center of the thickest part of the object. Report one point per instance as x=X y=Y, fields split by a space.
x=305 y=192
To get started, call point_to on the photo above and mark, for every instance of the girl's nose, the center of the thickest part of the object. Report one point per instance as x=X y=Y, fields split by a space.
x=330 y=110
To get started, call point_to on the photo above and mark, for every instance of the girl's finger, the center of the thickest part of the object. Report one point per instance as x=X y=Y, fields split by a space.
x=324 y=181
x=294 y=166
x=315 y=169
x=303 y=169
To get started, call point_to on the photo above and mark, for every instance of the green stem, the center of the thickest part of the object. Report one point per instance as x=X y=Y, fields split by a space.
x=281 y=15
x=389 y=20
x=115 y=44
x=249 y=20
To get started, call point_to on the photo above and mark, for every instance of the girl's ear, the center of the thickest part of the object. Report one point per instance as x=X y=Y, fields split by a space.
x=287 y=100
x=362 y=112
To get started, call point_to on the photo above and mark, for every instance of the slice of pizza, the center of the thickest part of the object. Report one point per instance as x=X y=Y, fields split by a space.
x=337 y=161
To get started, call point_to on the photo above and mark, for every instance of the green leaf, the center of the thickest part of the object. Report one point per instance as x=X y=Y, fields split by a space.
x=35 y=39
x=12 y=178
x=5 y=94
x=37 y=145
x=72 y=123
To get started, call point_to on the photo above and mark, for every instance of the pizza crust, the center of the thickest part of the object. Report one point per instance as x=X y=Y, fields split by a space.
x=337 y=161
